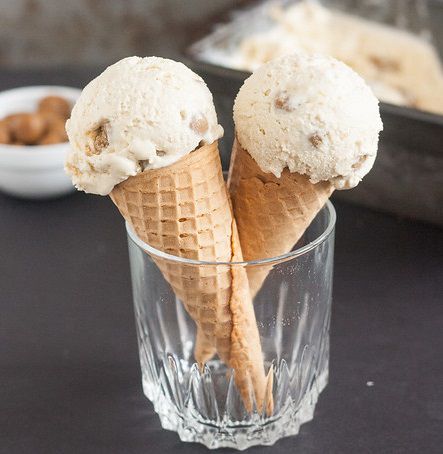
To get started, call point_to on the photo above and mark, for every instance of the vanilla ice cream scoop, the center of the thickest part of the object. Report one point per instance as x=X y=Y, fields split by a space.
x=311 y=114
x=140 y=113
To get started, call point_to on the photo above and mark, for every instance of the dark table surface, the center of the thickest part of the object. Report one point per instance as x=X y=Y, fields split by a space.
x=69 y=373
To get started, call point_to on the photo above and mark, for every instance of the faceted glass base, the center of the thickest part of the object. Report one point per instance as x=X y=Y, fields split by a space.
x=225 y=433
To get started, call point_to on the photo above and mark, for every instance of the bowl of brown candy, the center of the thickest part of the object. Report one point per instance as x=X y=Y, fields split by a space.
x=33 y=140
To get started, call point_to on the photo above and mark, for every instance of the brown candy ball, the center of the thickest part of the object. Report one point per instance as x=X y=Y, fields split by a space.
x=57 y=105
x=58 y=127
x=56 y=132
x=5 y=135
x=50 y=138
x=26 y=128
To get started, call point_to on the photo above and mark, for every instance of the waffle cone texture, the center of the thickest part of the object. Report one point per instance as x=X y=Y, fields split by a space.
x=271 y=213
x=184 y=210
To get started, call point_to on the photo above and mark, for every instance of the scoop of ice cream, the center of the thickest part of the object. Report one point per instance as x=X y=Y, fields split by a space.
x=140 y=113
x=312 y=115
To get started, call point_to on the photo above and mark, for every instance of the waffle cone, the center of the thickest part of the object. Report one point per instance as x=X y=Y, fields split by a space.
x=184 y=210
x=271 y=213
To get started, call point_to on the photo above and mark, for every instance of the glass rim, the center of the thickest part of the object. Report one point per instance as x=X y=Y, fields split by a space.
x=267 y=261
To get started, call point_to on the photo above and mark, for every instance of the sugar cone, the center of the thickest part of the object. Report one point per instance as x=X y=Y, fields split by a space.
x=204 y=349
x=184 y=210
x=271 y=213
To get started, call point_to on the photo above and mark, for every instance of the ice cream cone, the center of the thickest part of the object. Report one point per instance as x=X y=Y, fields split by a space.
x=272 y=213
x=184 y=210
x=204 y=348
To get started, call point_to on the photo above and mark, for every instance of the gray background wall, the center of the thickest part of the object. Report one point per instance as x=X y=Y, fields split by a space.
x=94 y=33
x=42 y=33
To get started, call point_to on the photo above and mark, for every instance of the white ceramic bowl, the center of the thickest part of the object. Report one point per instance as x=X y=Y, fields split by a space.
x=33 y=172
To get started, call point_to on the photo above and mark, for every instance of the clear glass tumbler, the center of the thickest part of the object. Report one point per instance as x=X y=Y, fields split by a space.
x=292 y=310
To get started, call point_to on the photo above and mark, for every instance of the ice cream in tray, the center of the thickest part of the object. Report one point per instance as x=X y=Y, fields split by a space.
x=145 y=132
x=401 y=67
x=389 y=44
